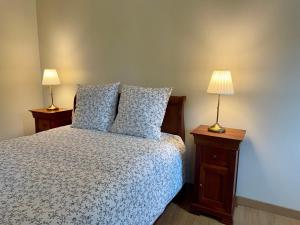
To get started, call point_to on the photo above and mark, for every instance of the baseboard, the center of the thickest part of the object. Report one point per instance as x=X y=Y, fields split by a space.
x=268 y=207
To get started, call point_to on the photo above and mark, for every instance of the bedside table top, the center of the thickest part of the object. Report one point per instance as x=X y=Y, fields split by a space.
x=44 y=110
x=230 y=133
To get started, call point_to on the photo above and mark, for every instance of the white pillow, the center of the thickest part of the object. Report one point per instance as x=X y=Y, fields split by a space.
x=96 y=106
x=141 y=111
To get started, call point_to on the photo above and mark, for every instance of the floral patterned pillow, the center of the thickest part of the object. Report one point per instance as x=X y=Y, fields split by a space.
x=141 y=111
x=96 y=106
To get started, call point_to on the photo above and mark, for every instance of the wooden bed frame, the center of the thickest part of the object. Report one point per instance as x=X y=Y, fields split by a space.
x=174 y=118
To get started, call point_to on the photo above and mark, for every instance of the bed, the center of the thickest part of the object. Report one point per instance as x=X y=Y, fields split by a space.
x=76 y=176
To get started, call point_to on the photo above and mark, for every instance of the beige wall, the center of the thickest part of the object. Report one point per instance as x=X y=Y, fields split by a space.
x=179 y=43
x=20 y=88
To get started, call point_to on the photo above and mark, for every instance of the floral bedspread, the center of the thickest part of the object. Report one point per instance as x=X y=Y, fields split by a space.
x=75 y=176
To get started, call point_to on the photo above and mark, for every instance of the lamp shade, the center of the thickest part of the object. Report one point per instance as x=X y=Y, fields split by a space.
x=221 y=83
x=50 y=77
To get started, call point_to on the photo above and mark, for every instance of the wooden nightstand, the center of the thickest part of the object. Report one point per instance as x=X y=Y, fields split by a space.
x=217 y=157
x=45 y=120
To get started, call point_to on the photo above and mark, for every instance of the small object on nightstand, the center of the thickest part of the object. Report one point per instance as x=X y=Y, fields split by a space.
x=45 y=119
x=50 y=78
x=217 y=156
x=220 y=84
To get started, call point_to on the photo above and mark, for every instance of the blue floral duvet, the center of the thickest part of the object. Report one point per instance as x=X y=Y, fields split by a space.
x=75 y=176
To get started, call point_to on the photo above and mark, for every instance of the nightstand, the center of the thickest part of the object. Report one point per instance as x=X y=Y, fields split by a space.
x=217 y=157
x=45 y=120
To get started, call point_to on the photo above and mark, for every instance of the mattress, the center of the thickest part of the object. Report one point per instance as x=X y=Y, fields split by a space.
x=76 y=176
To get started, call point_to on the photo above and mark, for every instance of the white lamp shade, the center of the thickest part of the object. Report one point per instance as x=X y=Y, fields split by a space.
x=50 y=77
x=221 y=83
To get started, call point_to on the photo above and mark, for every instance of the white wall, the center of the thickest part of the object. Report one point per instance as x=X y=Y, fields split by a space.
x=20 y=81
x=179 y=43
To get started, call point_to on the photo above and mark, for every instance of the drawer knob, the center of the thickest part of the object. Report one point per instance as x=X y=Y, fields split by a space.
x=215 y=156
x=200 y=185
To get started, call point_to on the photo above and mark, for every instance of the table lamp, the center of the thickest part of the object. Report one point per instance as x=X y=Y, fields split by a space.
x=50 y=78
x=220 y=84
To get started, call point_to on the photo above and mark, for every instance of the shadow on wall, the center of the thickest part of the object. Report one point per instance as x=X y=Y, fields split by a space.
x=28 y=123
x=250 y=160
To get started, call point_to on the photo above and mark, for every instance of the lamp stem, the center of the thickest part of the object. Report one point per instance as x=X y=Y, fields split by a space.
x=51 y=94
x=217 y=128
x=218 y=108
x=52 y=106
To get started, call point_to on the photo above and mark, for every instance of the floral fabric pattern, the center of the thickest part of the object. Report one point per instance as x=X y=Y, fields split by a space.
x=141 y=111
x=96 y=106
x=74 y=176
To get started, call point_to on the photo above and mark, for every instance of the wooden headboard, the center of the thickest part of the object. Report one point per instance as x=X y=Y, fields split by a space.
x=174 y=118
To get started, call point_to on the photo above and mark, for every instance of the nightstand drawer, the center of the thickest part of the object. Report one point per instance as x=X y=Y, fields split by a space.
x=60 y=123
x=215 y=156
x=44 y=125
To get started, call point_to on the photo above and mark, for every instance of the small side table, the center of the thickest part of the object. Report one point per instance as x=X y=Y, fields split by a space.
x=217 y=157
x=45 y=120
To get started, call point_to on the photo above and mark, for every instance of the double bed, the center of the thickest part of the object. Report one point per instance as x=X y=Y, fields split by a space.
x=77 y=176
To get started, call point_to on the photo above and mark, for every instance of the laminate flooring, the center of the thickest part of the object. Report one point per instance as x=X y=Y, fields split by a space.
x=177 y=213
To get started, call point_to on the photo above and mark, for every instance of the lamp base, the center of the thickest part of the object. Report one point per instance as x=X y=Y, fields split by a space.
x=216 y=128
x=52 y=108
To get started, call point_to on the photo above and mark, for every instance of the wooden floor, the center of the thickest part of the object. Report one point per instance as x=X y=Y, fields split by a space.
x=177 y=213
